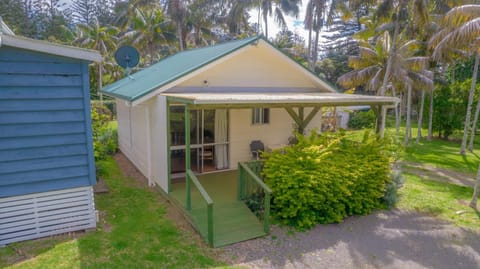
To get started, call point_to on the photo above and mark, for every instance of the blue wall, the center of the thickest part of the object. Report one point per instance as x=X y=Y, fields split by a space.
x=45 y=126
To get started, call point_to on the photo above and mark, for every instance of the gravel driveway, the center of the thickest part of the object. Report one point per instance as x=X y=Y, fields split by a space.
x=386 y=239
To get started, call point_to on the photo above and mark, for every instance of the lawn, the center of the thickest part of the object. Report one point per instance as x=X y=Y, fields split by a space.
x=439 y=199
x=133 y=233
x=443 y=154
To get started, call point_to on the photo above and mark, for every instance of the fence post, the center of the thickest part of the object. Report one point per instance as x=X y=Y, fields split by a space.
x=239 y=183
x=189 y=198
x=210 y=224
x=266 y=220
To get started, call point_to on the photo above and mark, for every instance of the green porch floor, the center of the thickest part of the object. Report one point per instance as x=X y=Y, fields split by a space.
x=232 y=220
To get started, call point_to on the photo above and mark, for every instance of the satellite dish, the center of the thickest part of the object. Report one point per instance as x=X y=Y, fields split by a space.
x=127 y=57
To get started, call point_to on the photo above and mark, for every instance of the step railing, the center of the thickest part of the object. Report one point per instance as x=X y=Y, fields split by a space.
x=251 y=186
x=191 y=178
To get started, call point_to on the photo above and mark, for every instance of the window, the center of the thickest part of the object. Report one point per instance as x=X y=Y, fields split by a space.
x=260 y=115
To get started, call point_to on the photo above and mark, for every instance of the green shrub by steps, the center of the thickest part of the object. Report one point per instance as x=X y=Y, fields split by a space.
x=325 y=178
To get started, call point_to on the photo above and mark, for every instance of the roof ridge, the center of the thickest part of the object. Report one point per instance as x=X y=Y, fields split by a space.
x=204 y=47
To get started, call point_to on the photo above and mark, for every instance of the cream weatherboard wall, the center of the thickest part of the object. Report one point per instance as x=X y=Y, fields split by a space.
x=255 y=66
x=142 y=137
x=275 y=133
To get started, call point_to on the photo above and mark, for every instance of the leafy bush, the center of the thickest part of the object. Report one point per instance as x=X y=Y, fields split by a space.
x=449 y=104
x=391 y=192
x=325 y=178
x=104 y=136
x=362 y=119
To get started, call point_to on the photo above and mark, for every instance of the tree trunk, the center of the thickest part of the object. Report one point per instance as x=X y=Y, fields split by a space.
x=100 y=94
x=476 y=190
x=474 y=126
x=397 y=113
x=180 y=36
x=420 y=117
x=393 y=48
x=430 y=116
x=409 y=112
x=388 y=70
x=469 y=106
x=265 y=20
x=310 y=29
x=315 y=48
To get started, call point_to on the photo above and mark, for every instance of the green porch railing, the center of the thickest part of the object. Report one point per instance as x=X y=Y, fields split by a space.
x=190 y=177
x=251 y=185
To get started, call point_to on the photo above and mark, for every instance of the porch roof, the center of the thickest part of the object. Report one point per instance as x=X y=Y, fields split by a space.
x=278 y=99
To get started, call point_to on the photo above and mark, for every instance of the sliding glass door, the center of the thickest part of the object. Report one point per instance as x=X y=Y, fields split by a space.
x=208 y=136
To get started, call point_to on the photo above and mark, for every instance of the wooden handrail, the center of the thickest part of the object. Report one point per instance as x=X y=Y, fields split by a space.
x=199 y=186
x=256 y=178
x=266 y=189
x=191 y=177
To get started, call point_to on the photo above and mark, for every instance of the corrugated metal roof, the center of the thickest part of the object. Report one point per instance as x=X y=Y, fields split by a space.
x=170 y=69
x=271 y=99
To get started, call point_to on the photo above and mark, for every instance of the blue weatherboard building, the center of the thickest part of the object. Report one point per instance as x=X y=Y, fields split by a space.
x=47 y=167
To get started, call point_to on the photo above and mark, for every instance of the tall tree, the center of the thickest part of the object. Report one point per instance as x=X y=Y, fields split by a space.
x=84 y=11
x=278 y=8
x=149 y=31
x=461 y=31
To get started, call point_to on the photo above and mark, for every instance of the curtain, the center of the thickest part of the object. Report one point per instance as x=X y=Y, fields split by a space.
x=221 y=132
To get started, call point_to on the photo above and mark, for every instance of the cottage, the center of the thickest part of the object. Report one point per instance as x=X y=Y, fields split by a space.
x=47 y=167
x=207 y=110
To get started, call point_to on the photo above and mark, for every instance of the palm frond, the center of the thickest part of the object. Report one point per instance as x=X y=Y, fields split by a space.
x=357 y=77
x=462 y=14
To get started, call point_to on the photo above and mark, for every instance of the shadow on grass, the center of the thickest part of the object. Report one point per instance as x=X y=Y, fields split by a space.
x=23 y=251
x=444 y=154
x=134 y=232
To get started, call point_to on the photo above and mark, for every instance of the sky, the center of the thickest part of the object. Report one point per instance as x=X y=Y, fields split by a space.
x=293 y=24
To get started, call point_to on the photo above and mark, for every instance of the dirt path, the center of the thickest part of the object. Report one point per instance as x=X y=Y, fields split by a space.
x=439 y=174
x=390 y=239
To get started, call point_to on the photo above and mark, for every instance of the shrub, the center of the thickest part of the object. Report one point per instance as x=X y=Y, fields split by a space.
x=104 y=136
x=362 y=120
x=391 y=192
x=325 y=178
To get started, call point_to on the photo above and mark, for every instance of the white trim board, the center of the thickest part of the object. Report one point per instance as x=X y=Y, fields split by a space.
x=49 y=48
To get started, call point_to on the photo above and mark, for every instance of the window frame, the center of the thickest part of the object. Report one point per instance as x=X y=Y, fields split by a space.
x=260 y=115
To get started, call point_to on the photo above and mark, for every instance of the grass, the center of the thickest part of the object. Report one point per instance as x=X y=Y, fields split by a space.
x=437 y=153
x=134 y=233
x=439 y=199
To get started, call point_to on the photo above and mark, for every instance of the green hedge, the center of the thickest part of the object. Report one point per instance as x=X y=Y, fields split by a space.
x=362 y=120
x=325 y=178
x=105 y=136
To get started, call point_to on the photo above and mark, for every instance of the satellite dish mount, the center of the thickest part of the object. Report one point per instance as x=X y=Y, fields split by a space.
x=127 y=57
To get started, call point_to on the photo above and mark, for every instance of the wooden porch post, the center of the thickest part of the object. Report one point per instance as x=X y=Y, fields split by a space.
x=187 y=155
x=384 y=119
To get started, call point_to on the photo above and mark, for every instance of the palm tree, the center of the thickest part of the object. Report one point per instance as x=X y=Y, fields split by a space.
x=101 y=38
x=370 y=68
x=279 y=8
x=461 y=31
x=149 y=30
x=476 y=191
x=177 y=11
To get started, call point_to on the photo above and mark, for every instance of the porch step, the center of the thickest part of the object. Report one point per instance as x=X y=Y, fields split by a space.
x=233 y=222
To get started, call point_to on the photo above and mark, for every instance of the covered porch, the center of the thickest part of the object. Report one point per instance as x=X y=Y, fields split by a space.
x=215 y=202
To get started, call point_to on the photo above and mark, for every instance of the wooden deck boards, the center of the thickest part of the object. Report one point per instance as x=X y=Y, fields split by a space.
x=233 y=221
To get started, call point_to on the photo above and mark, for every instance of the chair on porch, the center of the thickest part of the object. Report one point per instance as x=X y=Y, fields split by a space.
x=256 y=146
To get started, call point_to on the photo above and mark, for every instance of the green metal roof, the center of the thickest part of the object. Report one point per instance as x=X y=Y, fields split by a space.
x=170 y=69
